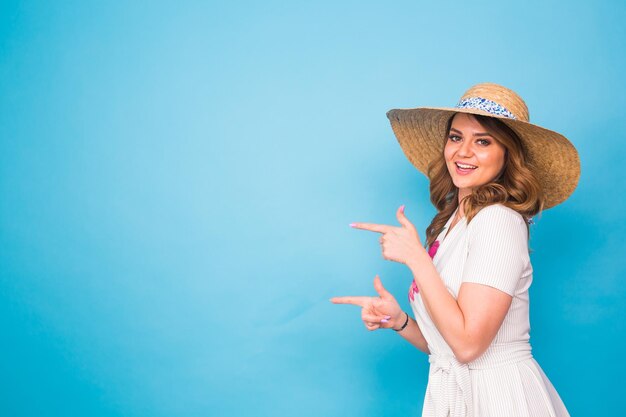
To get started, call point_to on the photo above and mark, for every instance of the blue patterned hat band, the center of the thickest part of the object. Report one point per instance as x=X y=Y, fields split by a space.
x=484 y=104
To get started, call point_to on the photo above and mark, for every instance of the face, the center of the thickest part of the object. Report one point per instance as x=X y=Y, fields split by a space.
x=473 y=156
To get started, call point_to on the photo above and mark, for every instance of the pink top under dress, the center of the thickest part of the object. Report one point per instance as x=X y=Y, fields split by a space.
x=505 y=381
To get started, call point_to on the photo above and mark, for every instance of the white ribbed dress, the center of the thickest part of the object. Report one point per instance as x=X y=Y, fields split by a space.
x=505 y=381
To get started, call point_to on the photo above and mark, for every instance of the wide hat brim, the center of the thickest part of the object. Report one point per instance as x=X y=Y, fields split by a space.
x=553 y=158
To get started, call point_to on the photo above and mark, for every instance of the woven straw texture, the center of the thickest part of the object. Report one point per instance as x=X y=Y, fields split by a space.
x=421 y=134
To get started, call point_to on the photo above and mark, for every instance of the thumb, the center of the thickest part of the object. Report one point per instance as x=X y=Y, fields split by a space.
x=402 y=218
x=378 y=285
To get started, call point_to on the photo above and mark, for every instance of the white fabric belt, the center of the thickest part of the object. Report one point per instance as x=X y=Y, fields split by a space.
x=450 y=379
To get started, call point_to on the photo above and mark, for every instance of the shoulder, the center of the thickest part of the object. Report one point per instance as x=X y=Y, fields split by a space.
x=499 y=211
x=499 y=218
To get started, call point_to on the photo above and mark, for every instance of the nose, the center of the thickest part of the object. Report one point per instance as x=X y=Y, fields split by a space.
x=465 y=150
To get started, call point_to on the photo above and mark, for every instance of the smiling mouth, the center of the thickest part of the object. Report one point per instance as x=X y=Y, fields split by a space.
x=465 y=167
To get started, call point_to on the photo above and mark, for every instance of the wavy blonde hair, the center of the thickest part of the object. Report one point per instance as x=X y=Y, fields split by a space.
x=516 y=187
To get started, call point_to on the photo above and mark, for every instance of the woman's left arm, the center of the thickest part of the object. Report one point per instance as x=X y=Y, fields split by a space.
x=469 y=323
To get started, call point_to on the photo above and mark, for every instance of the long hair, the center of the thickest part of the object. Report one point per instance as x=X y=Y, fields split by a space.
x=516 y=187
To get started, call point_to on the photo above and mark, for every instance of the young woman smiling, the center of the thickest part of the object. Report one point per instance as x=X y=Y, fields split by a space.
x=490 y=172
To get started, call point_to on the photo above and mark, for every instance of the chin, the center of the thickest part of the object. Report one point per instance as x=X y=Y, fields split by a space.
x=462 y=184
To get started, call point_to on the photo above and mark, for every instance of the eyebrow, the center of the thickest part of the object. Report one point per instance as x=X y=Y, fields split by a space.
x=475 y=134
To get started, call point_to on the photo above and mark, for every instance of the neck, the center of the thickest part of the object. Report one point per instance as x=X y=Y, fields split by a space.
x=462 y=194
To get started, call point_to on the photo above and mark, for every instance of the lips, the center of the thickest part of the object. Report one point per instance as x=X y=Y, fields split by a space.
x=464 y=169
x=465 y=166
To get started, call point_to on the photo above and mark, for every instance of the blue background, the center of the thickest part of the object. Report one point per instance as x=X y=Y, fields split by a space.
x=177 y=180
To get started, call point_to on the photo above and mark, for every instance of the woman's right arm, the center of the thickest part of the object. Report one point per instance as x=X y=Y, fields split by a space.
x=385 y=312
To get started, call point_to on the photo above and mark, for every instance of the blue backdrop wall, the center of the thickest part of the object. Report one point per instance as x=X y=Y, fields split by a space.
x=177 y=180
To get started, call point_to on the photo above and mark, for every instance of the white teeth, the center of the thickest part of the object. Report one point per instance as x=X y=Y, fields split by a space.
x=465 y=166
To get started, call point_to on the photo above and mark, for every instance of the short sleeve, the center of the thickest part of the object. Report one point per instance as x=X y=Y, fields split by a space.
x=497 y=248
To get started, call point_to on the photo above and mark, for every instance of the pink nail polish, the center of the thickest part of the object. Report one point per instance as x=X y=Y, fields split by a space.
x=384 y=321
x=402 y=208
x=352 y=224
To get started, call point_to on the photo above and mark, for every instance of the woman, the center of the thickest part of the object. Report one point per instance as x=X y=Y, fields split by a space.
x=491 y=171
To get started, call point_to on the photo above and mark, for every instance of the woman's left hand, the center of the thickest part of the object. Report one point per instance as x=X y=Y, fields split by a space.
x=400 y=244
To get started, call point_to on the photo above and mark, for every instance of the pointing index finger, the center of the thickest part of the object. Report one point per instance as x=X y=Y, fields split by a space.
x=357 y=301
x=380 y=228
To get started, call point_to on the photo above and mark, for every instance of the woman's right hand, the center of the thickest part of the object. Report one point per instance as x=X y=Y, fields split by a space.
x=376 y=312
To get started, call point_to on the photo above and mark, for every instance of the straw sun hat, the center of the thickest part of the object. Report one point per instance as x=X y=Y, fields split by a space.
x=551 y=156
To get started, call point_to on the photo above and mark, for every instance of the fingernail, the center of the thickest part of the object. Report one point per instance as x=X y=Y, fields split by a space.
x=352 y=224
x=402 y=208
x=387 y=317
x=384 y=321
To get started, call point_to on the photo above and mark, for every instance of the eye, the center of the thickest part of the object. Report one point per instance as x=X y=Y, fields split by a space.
x=483 y=142
x=454 y=138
